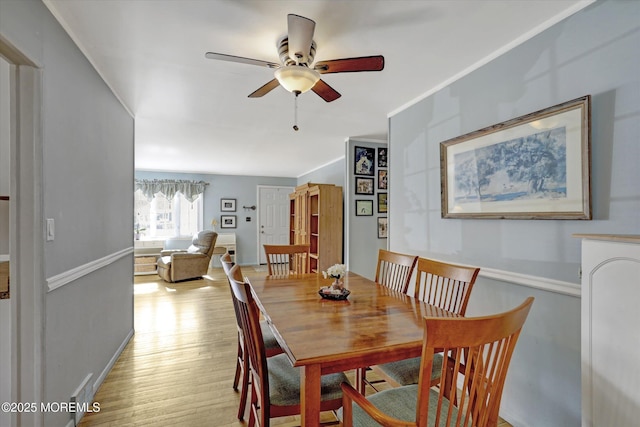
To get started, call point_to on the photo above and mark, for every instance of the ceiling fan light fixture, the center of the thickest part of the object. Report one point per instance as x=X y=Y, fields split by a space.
x=296 y=78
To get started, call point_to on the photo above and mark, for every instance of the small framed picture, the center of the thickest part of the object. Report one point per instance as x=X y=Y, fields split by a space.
x=227 y=221
x=227 y=205
x=363 y=161
x=382 y=157
x=382 y=202
x=382 y=227
x=364 y=185
x=364 y=207
x=383 y=176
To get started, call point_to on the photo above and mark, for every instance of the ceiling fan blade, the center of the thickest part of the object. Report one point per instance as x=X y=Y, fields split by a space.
x=265 y=89
x=300 y=33
x=350 y=65
x=240 y=59
x=325 y=91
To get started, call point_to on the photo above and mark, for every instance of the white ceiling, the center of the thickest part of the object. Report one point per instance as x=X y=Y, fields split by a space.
x=192 y=114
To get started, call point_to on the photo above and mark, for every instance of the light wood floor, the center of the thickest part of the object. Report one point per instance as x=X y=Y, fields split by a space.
x=178 y=368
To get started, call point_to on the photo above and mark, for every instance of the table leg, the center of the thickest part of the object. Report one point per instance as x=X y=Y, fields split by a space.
x=310 y=395
x=360 y=375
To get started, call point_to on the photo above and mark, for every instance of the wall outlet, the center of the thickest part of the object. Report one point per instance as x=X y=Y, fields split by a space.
x=81 y=399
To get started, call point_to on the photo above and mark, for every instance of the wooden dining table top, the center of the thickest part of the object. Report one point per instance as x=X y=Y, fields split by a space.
x=374 y=325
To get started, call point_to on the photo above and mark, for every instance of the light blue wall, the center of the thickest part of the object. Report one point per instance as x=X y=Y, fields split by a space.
x=242 y=188
x=597 y=52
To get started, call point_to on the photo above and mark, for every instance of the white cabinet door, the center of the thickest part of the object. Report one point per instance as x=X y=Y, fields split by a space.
x=610 y=333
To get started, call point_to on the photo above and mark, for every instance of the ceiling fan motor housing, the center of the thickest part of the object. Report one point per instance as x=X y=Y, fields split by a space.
x=283 y=53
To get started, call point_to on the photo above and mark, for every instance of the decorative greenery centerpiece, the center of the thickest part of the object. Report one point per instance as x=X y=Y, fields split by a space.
x=336 y=272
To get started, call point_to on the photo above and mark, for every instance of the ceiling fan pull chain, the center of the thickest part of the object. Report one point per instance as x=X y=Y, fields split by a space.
x=295 y=111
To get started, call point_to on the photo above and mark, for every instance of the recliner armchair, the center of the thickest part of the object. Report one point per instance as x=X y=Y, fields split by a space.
x=175 y=265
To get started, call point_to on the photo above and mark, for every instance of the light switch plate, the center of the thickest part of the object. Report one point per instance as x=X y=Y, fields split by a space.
x=51 y=229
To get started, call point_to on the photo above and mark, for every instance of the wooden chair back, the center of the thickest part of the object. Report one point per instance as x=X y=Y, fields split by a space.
x=241 y=377
x=394 y=270
x=283 y=260
x=472 y=379
x=227 y=262
x=254 y=343
x=447 y=286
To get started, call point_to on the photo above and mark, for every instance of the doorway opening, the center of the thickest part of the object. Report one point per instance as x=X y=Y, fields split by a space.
x=22 y=375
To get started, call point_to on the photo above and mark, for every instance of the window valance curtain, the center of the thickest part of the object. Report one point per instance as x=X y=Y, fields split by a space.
x=169 y=187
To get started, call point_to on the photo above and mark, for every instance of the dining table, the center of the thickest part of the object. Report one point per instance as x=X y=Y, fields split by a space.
x=374 y=325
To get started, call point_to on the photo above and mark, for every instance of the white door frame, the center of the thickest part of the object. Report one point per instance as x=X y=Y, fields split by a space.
x=259 y=187
x=26 y=234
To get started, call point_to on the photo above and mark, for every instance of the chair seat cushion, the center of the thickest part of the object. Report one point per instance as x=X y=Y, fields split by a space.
x=407 y=372
x=268 y=338
x=400 y=403
x=284 y=383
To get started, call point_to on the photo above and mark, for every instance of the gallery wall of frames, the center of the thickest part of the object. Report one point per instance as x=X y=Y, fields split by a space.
x=371 y=184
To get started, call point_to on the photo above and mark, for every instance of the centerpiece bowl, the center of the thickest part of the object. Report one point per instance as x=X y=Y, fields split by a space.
x=327 y=292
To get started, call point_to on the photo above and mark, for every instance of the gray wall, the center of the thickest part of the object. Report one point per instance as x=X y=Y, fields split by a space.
x=242 y=188
x=87 y=175
x=597 y=52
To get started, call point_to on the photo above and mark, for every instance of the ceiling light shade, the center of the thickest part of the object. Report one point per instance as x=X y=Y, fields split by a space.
x=296 y=78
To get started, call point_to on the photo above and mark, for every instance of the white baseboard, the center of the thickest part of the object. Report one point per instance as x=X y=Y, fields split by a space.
x=112 y=361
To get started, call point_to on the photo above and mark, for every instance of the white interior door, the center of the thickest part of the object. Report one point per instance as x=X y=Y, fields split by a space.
x=273 y=214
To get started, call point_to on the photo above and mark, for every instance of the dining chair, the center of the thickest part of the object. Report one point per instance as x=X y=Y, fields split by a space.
x=394 y=270
x=471 y=380
x=447 y=286
x=242 y=362
x=286 y=259
x=275 y=383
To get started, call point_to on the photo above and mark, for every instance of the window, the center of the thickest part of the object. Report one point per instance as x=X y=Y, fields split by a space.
x=161 y=218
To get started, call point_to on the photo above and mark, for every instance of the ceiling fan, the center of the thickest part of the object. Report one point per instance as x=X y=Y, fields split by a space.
x=297 y=51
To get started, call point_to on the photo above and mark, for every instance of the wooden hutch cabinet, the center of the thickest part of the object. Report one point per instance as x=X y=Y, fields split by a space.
x=316 y=220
